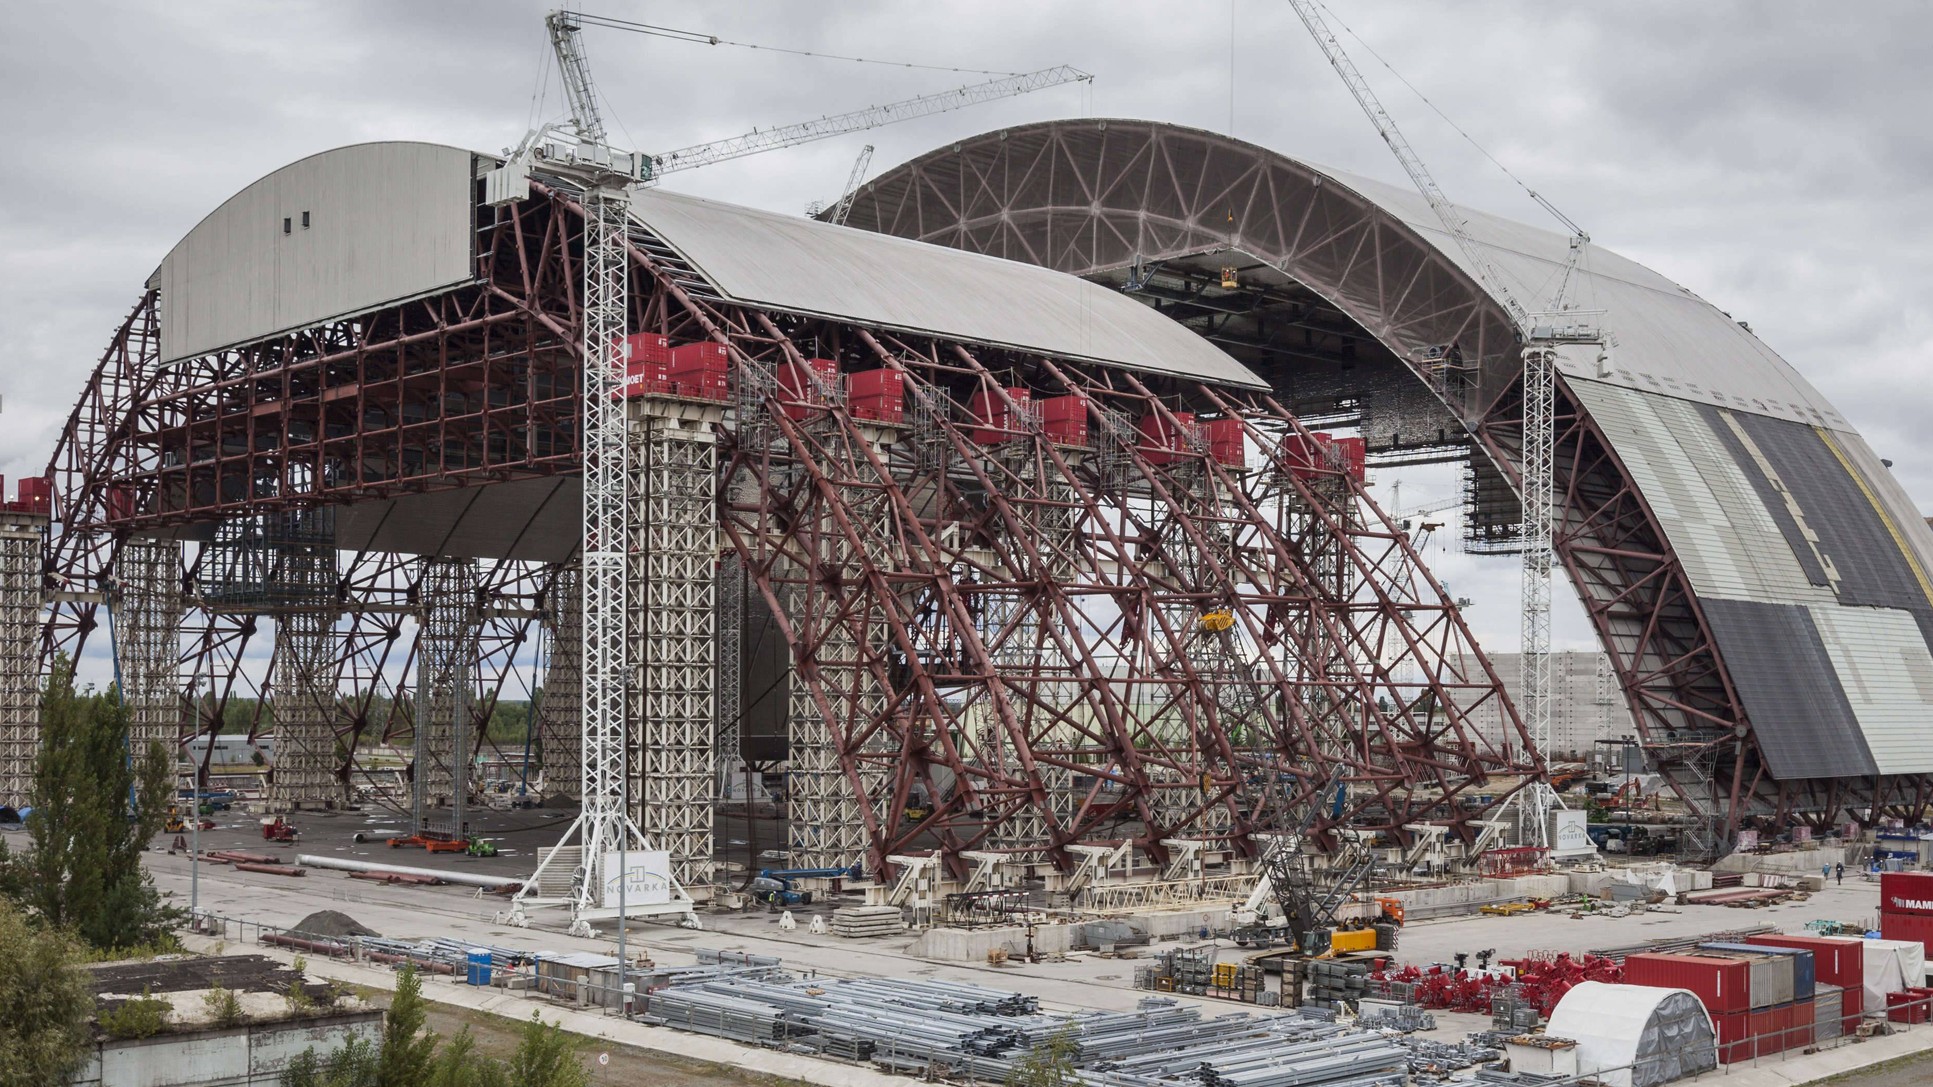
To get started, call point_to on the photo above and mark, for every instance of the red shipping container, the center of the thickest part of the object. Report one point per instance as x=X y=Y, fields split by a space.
x=704 y=357
x=1227 y=441
x=1064 y=419
x=877 y=394
x=645 y=347
x=1724 y=986
x=1836 y=960
x=1855 y=1007
x=796 y=383
x=1163 y=437
x=648 y=378
x=994 y=420
x=1906 y=892
x=1910 y=927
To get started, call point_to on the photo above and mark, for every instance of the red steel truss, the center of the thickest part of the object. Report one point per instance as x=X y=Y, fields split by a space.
x=1018 y=641
x=1109 y=198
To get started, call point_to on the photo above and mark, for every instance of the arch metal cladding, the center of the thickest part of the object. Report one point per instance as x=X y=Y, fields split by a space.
x=998 y=609
x=1758 y=578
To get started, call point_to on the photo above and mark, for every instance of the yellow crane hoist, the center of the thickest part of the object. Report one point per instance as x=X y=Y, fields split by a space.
x=1214 y=622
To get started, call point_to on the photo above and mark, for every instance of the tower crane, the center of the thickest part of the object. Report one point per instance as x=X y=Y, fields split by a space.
x=1541 y=334
x=579 y=152
x=844 y=207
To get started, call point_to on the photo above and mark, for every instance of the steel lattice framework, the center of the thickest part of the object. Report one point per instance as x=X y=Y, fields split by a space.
x=997 y=641
x=1336 y=291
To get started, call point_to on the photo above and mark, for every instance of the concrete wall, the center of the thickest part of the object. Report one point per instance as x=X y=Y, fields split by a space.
x=247 y=1056
x=972 y=945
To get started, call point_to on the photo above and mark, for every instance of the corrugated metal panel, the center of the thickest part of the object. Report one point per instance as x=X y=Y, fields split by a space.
x=1801 y=718
x=1772 y=492
x=1670 y=341
x=386 y=221
x=1704 y=498
x=1887 y=674
x=804 y=266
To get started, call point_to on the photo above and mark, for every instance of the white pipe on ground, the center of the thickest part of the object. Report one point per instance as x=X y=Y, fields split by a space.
x=345 y=865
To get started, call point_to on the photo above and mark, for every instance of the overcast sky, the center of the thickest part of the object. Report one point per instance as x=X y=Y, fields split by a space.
x=1772 y=156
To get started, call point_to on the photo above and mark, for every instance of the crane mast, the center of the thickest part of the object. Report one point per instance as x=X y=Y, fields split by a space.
x=844 y=207
x=1541 y=338
x=579 y=153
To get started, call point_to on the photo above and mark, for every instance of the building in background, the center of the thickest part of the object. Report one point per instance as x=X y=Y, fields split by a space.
x=1585 y=706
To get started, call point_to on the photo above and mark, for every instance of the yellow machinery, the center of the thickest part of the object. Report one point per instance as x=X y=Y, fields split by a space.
x=1362 y=939
x=1214 y=622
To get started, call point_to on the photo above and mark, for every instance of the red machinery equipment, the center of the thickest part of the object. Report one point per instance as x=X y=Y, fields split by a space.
x=278 y=829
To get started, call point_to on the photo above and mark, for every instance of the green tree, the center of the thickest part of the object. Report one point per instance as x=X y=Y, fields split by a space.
x=547 y=1057
x=95 y=808
x=1049 y=1064
x=408 y=1051
x=353 y=1065
x=460 y=1065
x=45 y=1004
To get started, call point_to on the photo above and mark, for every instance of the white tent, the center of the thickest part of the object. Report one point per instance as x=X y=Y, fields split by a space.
x=1635 y=1035
x=1892 y=965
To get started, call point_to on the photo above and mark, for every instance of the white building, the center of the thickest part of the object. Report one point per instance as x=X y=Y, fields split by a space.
x=1586 y=705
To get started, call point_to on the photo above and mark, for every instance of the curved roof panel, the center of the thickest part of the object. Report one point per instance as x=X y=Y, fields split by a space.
x=803 y=266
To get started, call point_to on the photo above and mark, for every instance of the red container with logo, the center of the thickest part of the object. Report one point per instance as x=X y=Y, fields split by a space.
x=1164 y=438
x=37 y=495
x=797 y=384
x=1724 y=986
x=700 y=370
x=1064 y=419
x=877 y=394
x=1227 y=441
x=995 y=418
x=645 y=347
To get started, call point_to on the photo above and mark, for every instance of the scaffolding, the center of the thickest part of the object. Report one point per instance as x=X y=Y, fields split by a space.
x=445 y=654
x=23 y=540
x=147 y=641
x=673 y=558
x=560 y=735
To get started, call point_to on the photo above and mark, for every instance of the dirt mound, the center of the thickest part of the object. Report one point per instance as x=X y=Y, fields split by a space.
x=331 y=924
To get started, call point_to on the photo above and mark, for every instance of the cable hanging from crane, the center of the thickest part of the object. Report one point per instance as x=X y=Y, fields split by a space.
x=700 y=38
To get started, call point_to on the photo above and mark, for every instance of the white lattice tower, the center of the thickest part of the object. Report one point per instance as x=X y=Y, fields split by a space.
x=1534 y=687
x=445 y=675
x=147 y=641
x=673 y=616
x=603 y=826
x=22 y=541
x=728 y=699
x=560 y=730
x=304 y=702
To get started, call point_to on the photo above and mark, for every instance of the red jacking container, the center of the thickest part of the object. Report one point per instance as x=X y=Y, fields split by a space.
x=877 y=394
x=1352 y=456
x=1306 y=456
x=995 y=418
x=646 y=358
x=1836 y=960
x=119 y=501
x=1064 y=419
x=701 y=370
x=1724 y=986
x=1227 y=441
x=1910 y=927
x=797 y=384
x=36 y=495
x=646 y=347
x=1164 y=439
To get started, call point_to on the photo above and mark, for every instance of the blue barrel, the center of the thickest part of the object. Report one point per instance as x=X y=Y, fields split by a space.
x=479 y=964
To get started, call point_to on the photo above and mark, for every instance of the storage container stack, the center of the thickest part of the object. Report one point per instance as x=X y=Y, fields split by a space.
x=1839 y=967
x=1762 y=998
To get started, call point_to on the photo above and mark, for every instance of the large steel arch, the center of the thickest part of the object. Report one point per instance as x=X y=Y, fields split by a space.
x=1337 y=273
